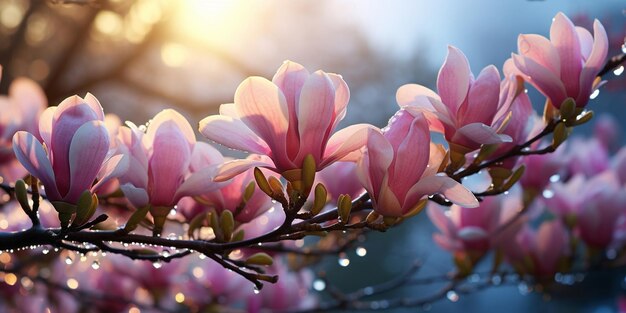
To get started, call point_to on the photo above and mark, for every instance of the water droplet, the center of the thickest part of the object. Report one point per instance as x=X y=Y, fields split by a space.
x=157 y=264
x=594 y=94
x=368 y=291
x=360 y=251
x=452 y=296
x=95 y=265
x=496 y=280
x=618 y=71
x=45 y=251
x=68 y=260
x=319 y=285
x=555 y=178
x=166 y=253
x=256 y=290
x=523 y=289
x=343 y=260
x=624 y=48
x=548 y=193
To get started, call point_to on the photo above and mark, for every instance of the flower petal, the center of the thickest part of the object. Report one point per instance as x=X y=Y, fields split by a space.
x=482 y=100
x=542 y=78
x=342 y=96
x=564 y=37
x=444 y=185
x=45 y=125
x=170 y=116
x=540 y=50
x=114 y=167
x=168 y=164
x=232 y=133
x=454 y=79
x=32 y=155
x=233 y=168
x=440 y=220
x=137 y=196
x=345 y=141
x=263 y=108
x=315 y=112
x=594 y=63
x=480 y=133
x=87 y=151
x=199 y=183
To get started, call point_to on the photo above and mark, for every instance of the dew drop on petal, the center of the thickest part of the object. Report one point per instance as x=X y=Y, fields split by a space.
x=594 y=94
x=618 y=71
x=95 y=265
x=157 y=264
x=548 y=193
x=452 y=296
x=555 y=178
x=45 y=251
x=68 y=260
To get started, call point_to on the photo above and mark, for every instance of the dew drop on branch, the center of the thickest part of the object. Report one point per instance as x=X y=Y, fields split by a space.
x=452 y=296
x=319 y=285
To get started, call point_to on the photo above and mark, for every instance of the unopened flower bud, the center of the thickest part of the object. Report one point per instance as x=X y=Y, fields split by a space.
x=22 y=195
x=227 y=223
x=260 y=258
x=321 y=196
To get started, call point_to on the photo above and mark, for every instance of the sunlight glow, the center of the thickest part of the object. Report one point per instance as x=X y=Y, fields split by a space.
x=208 y=20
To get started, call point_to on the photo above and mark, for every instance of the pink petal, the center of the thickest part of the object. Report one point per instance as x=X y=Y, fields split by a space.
x=387 y=204
x=415 y=95
x=540 y=50
x=480 y=133
x=344 y=142
x=564 y=37
x=472 y=233
x=137 y=196
x=444 y=185
x=69 y=116
x=542 y=78
x=95 y=105
x=454 y=79
x=594 y=63
x=482 y=101
x=446 y=242
x=33 y=157
x=440 y=220
x=114 y=167
x=315 y=112
x=199 y=183
x=411 y=157
x=88 y=149
x=168 y=164
x=342 y=96
x=233 y=168
x=290 y=78
x=30 y=99
x=263 y=108
x=45 y=125
x=170 y=116
x=586 y=42
x=379 y=155
x=204 y=154
x=232 y=133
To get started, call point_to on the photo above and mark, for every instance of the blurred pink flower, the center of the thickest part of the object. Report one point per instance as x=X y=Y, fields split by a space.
x=399 y=168
x=607 y=130
x=288 y=118
x=567 y=64
x=587 y=156
x=231 y=197
x=341 y=178
x=539 y=252
x=20 y=111
x=464 y=109
x=76 y=150
x=541 y=167
x=475 y=231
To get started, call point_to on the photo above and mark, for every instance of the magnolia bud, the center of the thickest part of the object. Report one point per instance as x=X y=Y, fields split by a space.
x=344 y=206
x=136 y=218
x=22 y=195
x=260 y=258
x=227 y=223
x=319 y=202
x=308 y=174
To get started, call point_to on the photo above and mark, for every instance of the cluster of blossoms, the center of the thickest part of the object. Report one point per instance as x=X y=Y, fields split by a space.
x=160 y=176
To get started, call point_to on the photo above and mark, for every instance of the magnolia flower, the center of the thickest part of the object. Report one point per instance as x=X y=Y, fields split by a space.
x=587 y=156
x=607 y=130
x=465 y=108
x=161 y=170
x=20 y=111
x=566 y=65
x=287 y=119
x=592 y=207
x=399 y=168
x=76 y=150
x=540 y=168
x=539 y=252
x=472 y=232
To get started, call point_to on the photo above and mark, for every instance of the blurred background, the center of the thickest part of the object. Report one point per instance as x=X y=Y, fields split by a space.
x=139 y=57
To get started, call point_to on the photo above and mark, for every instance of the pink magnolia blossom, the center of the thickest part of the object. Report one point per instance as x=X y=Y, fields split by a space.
x=475 y=231
x=464 y=109
x=161 y=170
x=76 y=150
x=587 y=156
x=566 y=65
x=399 y=168
x=20 y=111
x=592 y=206
x=539 y=252
x=288 y=118
x=607 y=130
